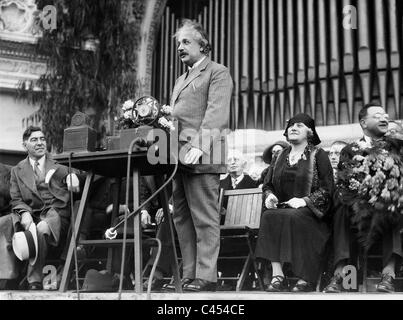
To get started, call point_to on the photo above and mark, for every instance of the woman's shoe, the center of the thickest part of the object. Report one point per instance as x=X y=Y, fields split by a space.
x=302 y=287
x=278 y=284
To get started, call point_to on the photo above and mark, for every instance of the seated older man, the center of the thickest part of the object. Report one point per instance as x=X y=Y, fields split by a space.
x=236 y=178
x=334 y=155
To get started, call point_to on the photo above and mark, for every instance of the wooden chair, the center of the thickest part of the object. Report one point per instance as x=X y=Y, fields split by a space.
x=242 y=221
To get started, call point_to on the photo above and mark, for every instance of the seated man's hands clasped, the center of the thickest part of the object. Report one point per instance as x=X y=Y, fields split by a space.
x=26 y=220
x=159 y=217
x=145 y=218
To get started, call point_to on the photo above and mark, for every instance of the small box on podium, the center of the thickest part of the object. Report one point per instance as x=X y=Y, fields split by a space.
x=79 y=137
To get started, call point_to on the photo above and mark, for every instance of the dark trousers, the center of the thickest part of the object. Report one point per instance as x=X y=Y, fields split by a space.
x=58 y=226
x=165 y=259
x=343 y=236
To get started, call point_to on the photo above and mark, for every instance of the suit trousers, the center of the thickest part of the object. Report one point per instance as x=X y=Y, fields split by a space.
x=343 y=234
x=197 y=222
x=58 y=228
x=166 y=259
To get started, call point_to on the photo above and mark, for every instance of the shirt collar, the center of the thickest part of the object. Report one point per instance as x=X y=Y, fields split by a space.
x=41 y=163
x=237 y=180
x=195 y=65
x=367 y=139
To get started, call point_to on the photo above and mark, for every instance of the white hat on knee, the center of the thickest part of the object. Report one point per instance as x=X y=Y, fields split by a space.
x=25 y=244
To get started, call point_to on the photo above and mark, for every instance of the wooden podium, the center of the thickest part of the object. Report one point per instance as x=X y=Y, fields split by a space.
x=113 y=164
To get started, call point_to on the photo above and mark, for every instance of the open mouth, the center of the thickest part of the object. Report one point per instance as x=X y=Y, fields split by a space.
x=182 y=55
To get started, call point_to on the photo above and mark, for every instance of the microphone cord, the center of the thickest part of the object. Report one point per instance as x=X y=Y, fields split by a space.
x=136 y=211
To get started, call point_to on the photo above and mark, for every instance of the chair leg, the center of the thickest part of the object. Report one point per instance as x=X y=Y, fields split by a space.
x=364 y=271
x=242 y=278
x=255 y=266
x=319 y=282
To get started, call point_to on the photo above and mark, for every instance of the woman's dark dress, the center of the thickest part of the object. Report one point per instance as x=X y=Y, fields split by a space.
x=296 y=236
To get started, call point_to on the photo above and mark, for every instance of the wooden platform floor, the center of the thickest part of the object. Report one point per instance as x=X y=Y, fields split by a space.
x=251 y=295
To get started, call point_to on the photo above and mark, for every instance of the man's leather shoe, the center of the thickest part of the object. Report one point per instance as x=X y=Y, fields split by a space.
x=302 y=287
x=386 y=284
x=156 y=284
x=170 y=287
x=335 y=285
x=280 y=284
x=199 y=285
x=35 y=286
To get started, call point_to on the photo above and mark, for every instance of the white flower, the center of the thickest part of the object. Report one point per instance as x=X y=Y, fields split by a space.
x=358 y=158
x=129 y=104
x=127 y=114
x=166 y=109
x=166 y=123
x=363 y=144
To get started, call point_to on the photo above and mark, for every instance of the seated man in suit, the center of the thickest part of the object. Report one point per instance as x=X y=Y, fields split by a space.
x=236 y=178
x=334 y=155
x=374 y=123
x=151 y=213
x=40 y=195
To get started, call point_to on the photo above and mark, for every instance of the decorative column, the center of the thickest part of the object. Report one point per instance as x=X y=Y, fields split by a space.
x=18 y=34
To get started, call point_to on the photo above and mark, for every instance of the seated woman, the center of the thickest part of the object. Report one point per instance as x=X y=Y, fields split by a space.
x=297 y=195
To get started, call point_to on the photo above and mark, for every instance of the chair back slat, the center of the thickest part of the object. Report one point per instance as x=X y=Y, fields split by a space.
x=244 y=208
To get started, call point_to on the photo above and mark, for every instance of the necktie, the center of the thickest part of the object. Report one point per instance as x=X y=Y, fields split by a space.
x=234 y=183
x=38 y=173
x=187 y=74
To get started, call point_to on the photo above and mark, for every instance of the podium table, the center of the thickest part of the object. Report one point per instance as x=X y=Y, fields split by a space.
x=113 y=164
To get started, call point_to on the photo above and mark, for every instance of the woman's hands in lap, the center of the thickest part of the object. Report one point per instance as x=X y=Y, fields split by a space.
x=271 y=201
x=296 y=203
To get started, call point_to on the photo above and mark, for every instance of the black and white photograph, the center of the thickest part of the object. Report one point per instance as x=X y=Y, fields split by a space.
x=216 y=151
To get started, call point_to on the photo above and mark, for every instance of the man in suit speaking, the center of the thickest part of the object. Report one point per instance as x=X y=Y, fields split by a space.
x=201 y=104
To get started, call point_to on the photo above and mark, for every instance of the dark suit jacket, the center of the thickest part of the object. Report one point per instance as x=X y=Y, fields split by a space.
x=147 y=188
x=246 y=183
x=25 y=196
x=201 y=104
x=5 y=172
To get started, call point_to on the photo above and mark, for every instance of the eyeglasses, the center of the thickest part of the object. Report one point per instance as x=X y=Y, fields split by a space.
x=379 y=116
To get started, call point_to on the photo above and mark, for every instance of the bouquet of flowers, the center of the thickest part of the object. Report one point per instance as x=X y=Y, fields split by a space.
x=373 y=180
x=145 y=111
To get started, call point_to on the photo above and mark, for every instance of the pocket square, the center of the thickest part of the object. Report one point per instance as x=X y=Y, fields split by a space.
x=49 y=175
